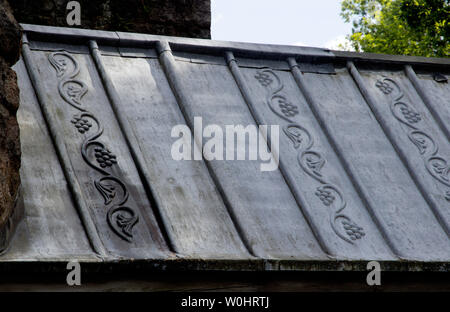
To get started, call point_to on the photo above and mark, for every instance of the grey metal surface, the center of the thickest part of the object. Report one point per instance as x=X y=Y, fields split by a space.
x=364 y=155
x=262 y=205
x=73 y=94
x=394 y=200
x=194 y=213
x=421 y=144
x=51 y=228
x=295 y=152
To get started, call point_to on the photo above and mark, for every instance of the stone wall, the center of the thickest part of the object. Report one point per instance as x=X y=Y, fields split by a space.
x=10 y=39
x=185 y=18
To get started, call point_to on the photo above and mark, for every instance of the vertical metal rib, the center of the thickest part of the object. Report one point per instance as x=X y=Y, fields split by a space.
x=295 y=70
x=131 y=140
x=58 y=141
x=430 y=201
x=168 y=64
x=288 y=177
x=426 y=99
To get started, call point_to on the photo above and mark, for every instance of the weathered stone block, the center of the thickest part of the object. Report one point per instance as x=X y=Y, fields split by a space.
x=10 y=37
x=185 y=18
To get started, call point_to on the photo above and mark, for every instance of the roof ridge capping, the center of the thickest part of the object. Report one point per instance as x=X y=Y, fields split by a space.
x=207 y=46
x=194 y=45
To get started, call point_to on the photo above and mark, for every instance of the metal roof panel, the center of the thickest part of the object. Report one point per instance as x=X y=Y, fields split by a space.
x=364 y=154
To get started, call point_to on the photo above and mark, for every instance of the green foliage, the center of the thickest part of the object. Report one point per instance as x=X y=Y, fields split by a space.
x=408 y=27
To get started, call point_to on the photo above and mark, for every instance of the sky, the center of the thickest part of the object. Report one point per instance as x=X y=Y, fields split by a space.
x=314 y=23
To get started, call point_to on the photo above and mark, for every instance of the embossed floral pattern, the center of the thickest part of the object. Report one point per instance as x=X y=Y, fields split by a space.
x=428 y=148
x=287 y=108
x=421 y=144
x=295 y=135
x=353 y=230
x=73 y=90
x=447 y=196
x=441 y=169
x=126 y=223
x=107 y=190
x=264 y=79
x=315 y=164
x=384 y=87
x=82 y=124
x=409 y=115
x=104 y=157
x=120 y=218
x=325 y=196
x=310 y=161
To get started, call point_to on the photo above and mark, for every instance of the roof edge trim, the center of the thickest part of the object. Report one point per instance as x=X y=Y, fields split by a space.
x=240 y=49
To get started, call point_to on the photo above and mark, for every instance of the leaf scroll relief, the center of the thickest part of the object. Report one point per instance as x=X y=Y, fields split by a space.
x=310 y=160
x=437 y=166
x=120 y=217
